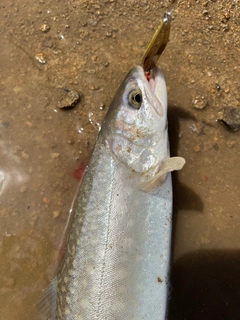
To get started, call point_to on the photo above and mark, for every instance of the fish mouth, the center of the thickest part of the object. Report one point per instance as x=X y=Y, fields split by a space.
x=156 y=84
x=152 y=80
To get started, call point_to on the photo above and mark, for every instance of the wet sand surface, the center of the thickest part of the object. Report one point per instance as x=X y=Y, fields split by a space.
x=49 y=48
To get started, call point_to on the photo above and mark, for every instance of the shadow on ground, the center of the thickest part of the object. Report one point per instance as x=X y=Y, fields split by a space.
x=206 y=286
x=205 y=283
x=184 y=197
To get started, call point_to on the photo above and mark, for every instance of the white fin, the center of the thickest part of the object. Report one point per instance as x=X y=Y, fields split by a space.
x=168 y=165
x=47 y=303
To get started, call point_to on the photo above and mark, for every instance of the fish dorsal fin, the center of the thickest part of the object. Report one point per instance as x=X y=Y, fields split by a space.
x=46 y=305
x=167 y=165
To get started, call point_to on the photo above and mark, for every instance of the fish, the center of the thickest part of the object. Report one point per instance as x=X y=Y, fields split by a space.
x=117 y=259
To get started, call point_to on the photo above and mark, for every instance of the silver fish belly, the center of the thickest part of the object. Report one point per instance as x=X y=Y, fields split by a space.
x=116 y=264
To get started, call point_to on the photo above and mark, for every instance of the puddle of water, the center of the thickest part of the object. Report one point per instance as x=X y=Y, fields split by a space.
x=89 y=48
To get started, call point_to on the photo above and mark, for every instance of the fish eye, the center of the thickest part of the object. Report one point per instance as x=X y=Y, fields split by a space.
x=135 y=99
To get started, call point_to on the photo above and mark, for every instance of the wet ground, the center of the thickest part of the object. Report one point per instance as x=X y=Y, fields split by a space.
x=50 y=47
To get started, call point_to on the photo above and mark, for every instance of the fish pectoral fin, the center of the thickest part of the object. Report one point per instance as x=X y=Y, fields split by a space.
x=167 y=165
x=46 y=305
x=171 y=164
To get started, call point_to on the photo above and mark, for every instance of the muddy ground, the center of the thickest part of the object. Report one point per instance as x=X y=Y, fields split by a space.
x=51 y=47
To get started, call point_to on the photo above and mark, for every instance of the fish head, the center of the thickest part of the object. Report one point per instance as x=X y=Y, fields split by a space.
x=135 y=127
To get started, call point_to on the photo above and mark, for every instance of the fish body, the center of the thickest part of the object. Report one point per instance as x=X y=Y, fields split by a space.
x=116 y=264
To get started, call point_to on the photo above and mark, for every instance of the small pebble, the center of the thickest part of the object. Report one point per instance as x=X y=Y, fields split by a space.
x=226 y=90
x=196 y=148
x=41 y=58
x=94 y=58
x=91 y=87
x=45 y=200
x=69 y=99
x=44 y=28
x=25 y=155
x=55 y=214
x=93 y=22
x=102 y=106
x=200 y=102
x=29 y=124
x=55 y=155
x=225 y=27
x=231 y=144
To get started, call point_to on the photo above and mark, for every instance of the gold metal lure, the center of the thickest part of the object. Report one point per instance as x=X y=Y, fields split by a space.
x=157 y=44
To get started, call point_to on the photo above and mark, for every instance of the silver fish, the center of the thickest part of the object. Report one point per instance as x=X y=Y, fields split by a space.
x=116 y=264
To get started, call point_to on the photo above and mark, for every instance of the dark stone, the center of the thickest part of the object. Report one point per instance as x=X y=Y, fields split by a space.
x=69 y=99
x=231 y=118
